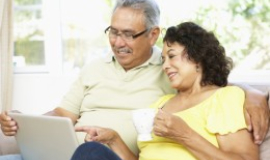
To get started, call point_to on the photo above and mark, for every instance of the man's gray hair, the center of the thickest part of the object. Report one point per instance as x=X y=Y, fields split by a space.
x=149 y=7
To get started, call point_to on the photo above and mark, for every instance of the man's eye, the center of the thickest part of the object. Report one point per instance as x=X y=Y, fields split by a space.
x=113 y=31
x=128 y=34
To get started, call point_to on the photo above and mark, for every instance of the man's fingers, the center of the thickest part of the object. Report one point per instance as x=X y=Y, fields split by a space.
x=248 y=120
x=10 y=123
x=9 y=131
x=4 y=117
x=260 y=127
x=256 y=131
x=8 y=126
x=7 y=121
x=12 y=133
x=265 y=126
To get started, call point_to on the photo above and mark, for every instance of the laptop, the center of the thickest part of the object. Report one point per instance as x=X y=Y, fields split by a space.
x=41 y=137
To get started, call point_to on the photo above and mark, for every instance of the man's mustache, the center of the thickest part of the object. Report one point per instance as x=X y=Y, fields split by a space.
x=127 y=50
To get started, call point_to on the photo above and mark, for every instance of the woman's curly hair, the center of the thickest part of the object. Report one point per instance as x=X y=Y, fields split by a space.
x=203 y=48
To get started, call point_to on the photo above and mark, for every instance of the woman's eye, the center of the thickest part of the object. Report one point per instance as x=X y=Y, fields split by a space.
x=171 y=56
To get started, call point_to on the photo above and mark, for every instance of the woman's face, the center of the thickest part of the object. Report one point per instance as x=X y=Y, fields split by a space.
x=180 y=70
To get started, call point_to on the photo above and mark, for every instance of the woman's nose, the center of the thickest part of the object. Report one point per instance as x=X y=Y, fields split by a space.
x=166 y=64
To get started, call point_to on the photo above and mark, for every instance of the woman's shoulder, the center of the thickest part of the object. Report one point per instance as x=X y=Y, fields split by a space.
x=230 y=92
x=162 y=100
x=225 y=114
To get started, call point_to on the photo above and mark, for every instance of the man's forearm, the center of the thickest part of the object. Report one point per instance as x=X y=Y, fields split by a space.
x=63 y=113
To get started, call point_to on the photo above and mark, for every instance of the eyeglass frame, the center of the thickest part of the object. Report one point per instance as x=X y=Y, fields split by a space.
x=134 y=36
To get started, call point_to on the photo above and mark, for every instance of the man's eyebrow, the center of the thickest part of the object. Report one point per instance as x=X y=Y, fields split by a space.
x=125 y=30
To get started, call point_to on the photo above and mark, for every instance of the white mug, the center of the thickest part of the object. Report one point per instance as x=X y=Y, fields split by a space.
x=143 y=120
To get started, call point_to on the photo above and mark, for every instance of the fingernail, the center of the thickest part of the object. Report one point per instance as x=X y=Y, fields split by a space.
x=14 y=128
x=249 y=127
x=258 y=142
x=257 y=139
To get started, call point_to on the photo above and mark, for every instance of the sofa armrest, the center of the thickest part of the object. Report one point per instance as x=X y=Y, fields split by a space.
x=8 y=145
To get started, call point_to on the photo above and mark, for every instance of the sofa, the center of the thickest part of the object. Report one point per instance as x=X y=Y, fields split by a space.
x=8 y=144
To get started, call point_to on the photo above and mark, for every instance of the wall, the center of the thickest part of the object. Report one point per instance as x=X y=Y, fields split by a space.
x=37 y=93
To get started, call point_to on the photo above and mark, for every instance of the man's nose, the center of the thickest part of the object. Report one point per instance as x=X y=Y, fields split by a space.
x=119 y=41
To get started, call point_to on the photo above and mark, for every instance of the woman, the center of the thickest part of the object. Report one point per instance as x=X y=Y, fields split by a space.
x=203 y=121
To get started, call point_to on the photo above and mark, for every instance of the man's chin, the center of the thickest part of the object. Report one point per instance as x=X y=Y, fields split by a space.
x=125 y=64
x=123 y=60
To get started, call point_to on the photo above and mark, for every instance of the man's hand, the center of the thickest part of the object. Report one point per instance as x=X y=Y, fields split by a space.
x=257 y=114
x=8 y=125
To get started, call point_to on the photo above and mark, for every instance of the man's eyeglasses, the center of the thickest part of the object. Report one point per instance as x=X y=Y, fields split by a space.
x=125 y=35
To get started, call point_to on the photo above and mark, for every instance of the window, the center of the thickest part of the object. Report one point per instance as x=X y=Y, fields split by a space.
x=28 y=34
x=59 y=36
x=82 y=28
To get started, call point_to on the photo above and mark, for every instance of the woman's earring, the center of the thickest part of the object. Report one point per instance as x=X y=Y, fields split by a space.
x=197 y=69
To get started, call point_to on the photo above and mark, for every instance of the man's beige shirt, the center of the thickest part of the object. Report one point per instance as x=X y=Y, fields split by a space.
x=105 y=93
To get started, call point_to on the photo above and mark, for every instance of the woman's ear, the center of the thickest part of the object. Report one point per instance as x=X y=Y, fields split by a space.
x=154 y=34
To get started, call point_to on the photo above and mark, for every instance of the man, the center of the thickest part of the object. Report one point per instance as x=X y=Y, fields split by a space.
x=129 y=78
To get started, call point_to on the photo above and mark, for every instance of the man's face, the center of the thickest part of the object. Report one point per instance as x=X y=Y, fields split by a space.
x=127 y=21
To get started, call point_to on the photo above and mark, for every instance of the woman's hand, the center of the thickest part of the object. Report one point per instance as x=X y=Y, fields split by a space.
x=170 y=126
x=109 y=137
x=98 y=134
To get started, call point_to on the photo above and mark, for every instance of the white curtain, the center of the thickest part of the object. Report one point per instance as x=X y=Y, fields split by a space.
x=6 y=54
